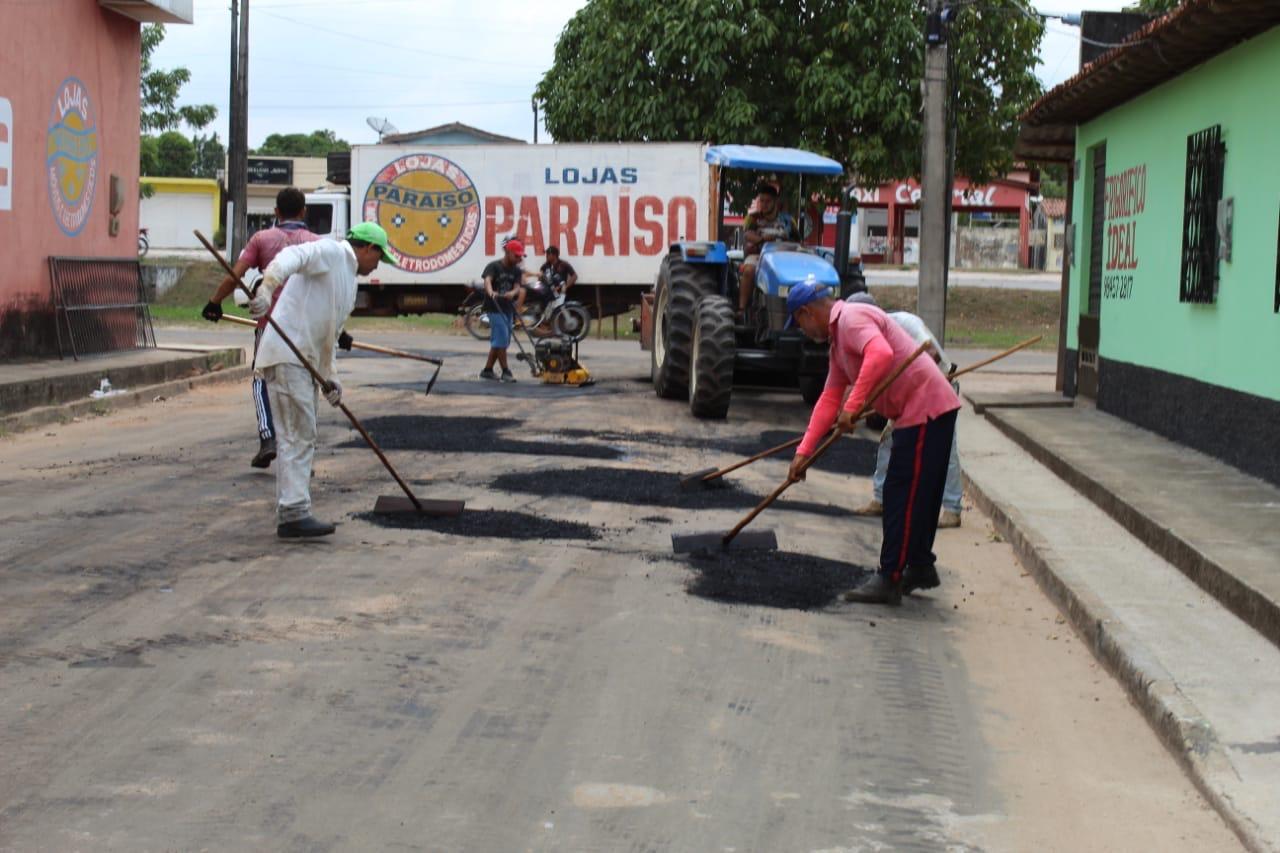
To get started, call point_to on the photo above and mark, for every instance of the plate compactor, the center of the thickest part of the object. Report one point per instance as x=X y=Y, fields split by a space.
x=555 y=361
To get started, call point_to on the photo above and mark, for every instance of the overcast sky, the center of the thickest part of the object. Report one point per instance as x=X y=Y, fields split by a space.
x=419 y=63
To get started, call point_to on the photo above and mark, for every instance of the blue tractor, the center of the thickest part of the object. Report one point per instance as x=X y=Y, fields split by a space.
x=700 y=345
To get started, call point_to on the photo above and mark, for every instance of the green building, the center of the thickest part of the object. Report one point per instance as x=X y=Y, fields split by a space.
x=1171 y=289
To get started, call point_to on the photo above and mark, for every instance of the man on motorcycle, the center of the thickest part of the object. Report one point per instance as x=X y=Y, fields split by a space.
x=763 y=225
x=557 y=272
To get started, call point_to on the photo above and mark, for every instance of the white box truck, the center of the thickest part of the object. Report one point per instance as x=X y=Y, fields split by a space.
x=612 y=209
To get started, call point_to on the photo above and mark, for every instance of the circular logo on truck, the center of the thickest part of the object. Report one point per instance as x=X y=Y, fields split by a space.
x=428 y=206
x=71 y=156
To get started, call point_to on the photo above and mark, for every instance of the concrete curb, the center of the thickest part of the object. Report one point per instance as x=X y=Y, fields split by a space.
x=1253 y=607
x=1176 y=720
x=60 y=414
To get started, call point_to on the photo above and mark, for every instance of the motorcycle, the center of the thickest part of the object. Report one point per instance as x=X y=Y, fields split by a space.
x=545 y=307
x=143 y=242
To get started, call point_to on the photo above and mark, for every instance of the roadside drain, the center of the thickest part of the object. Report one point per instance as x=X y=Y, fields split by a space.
x=490 y=523
x=645 y=488
x=779 y=579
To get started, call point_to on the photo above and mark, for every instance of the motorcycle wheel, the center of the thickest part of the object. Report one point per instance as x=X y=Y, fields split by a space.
x=143 y=246
x=476 y=322
x=572 y=321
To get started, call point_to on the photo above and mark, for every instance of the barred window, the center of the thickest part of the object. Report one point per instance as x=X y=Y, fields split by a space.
x=1206 y=155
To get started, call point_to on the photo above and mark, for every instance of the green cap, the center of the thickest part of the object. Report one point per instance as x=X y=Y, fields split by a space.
x=372 y=232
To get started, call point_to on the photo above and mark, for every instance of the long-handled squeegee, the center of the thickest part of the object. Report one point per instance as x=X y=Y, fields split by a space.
x=385 y=504
x=398 y=353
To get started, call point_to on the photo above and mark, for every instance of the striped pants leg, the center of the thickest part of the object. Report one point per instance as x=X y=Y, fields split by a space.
x=913 y=494
x=261 y=402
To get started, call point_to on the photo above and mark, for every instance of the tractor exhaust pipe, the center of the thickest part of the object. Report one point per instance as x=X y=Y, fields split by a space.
x=844 y=223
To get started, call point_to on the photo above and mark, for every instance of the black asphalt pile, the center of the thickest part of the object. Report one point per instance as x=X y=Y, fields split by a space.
x=441 y=434
x=644 y=488
x=490 y=523
x=856 y=456
x=771 y=579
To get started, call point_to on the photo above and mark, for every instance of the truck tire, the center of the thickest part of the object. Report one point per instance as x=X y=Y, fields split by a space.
x=714 y=345
x=680 y=286
x=811 y=387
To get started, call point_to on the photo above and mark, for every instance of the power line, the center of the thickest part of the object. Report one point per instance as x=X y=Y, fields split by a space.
x=362 y=106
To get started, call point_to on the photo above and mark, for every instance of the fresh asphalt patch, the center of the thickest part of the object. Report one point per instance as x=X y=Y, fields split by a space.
x=644 y=488
x=471 y=434
x=781 y=579
x=488 y=523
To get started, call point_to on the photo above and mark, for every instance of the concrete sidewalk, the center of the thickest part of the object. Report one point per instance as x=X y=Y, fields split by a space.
x=1217 y=525
x=1208 y=683
x=35 y=393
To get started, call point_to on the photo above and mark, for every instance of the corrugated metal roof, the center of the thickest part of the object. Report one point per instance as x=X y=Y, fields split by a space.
x=1170 y=45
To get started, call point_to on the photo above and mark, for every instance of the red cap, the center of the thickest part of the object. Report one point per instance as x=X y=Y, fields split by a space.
x=515 y=247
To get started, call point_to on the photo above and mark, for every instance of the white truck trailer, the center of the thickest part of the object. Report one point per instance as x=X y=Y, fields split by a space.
x=612 y=209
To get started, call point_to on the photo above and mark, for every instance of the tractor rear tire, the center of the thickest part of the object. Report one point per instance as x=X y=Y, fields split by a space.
x=811 y=388
x=714 y=347
x=680 y=286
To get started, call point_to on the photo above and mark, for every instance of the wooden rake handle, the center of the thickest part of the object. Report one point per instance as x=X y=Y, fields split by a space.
x=822 y=448
x=320 y=380
x=399 y=353
x=1010 y=351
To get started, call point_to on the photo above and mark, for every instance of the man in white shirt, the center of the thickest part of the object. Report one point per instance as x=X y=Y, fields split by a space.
x=311 y=311
x=953 y=491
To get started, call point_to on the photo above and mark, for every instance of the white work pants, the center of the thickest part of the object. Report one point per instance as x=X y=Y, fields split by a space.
x=294 y=398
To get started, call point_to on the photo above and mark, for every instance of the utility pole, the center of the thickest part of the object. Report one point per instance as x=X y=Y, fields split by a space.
x=935 y=178
x=229 y=213
x=238 y=133
x=534 y=101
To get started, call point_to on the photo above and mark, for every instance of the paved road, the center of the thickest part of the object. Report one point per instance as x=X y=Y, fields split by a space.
x=175 y=678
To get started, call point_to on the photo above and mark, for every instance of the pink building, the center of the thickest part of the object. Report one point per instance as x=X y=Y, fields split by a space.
x=69 y=136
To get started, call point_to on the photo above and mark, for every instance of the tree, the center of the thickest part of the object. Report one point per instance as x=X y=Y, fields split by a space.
x=175 y=156
x=210 y=155
x=1155 y=7
x=160 y=91
x=318 y=143
x=833 y=76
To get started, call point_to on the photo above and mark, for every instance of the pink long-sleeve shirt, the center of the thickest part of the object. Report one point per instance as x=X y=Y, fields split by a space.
x=866 y=345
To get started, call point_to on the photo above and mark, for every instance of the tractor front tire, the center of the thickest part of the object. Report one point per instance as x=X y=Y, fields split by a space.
x=811 y=387
x=714 y=346
x=680 y=286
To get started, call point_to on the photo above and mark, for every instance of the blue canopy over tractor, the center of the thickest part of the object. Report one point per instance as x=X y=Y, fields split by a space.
x=764 y=158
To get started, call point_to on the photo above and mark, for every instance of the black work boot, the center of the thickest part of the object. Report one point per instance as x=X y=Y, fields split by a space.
x=304 y=528
x=876 y=589
x=920 y=577
x=266 y=453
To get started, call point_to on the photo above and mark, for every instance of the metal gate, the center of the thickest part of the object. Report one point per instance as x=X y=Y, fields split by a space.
x=100 y=306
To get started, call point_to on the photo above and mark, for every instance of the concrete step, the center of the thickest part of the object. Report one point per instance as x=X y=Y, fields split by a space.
x=33 y=384
x=1207 y=682
x=1218 y=525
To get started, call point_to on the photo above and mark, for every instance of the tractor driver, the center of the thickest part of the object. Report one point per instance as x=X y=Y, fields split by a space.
x=764 y=224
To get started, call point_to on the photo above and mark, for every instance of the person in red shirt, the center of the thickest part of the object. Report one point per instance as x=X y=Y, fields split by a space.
x=290 y=230
x=866 y=346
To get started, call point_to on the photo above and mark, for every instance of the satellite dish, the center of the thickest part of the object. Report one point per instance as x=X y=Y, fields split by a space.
x=382 y=126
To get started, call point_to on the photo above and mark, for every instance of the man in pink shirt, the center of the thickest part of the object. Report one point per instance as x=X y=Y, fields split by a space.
x=290 y=230
x=866 y=346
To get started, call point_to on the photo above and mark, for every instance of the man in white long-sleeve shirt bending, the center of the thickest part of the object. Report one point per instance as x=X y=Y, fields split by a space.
x=311 y=311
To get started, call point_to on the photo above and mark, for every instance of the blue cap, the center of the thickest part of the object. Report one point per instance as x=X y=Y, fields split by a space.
x=801 y=295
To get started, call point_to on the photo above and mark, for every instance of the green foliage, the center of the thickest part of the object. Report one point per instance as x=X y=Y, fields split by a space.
x=1053 y=180
x=837 y=77
x=318 y=143
x=1156 y=7
x=175 y=156
x=210 y=155
x=160 y=91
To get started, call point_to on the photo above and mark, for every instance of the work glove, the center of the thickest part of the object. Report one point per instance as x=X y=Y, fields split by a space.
x=334 y=394
x=212 y=312
x=344 y=340
x=260 y=304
